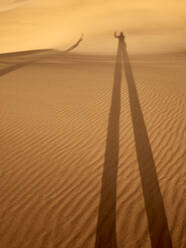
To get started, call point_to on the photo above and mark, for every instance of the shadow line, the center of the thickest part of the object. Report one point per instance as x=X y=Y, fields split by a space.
x=157 y=220
x=74 y=46
x=42 y=53
x=14 y=67
x=106 y=226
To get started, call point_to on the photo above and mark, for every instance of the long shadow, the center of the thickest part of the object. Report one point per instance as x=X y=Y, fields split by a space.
x=23 y=53
x=45 y=53
x=157 y=220
x=74 y=46
x=106 y=226
x=13 y=68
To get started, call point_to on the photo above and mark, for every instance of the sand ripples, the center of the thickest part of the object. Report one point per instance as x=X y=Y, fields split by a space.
x=53 y=138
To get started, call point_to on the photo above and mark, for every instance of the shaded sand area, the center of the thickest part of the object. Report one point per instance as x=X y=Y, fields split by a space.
x=71 y=164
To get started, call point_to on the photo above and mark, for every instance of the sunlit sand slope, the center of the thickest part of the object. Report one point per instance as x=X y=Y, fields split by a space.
x=53 y=137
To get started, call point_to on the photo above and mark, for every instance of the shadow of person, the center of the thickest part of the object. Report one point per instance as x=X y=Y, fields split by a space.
x=157 y=220
x=14 y=67
x=41 y=54
x=106 y=225
x=121 y=37
x=75 y=45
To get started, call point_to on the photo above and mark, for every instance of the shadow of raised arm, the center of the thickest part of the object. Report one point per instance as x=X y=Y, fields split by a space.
x=38 y=56
x=75 y=45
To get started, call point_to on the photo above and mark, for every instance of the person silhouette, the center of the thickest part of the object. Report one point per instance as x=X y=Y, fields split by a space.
x=121 y=36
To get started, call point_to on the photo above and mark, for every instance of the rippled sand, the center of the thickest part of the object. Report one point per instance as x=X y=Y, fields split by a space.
x=53 y=137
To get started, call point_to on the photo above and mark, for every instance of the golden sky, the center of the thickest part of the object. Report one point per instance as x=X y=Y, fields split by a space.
x=150 y=25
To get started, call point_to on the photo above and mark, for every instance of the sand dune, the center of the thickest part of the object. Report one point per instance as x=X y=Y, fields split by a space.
x=60 y=116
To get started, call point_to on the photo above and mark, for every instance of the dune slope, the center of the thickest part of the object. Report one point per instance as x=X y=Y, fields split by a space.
x=54 y=134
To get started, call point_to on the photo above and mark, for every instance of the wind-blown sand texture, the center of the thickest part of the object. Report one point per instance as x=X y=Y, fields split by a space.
x=65 y=120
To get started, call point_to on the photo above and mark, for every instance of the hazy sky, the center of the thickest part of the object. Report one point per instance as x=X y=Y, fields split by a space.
x=149 y=25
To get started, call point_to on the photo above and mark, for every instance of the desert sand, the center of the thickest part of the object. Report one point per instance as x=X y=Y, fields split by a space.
x=92 y=150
